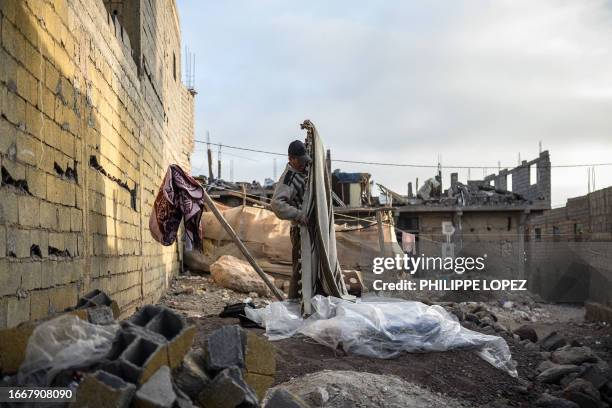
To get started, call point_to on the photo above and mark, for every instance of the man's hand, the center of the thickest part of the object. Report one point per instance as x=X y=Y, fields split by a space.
x=302 y=219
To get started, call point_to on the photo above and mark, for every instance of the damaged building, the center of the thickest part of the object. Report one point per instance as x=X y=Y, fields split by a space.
x=93 y=111
x=569 y=250
x=487 y=216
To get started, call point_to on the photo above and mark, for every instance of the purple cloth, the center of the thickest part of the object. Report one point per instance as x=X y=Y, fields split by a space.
x=179 y=198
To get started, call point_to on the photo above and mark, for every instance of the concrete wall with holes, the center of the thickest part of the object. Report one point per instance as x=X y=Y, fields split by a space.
x=90 y=119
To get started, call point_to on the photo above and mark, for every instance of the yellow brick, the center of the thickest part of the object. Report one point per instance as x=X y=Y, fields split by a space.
x=52 y=134
x=47 y=46
x=29 y=211
x=47 y=101
x=27 y=24
x=9 y=9
x=9 y=212
x=51 y=76
x=67 y=143
x=28 y=149
x=64 y=216
x=34 y=121
x=27 y=86
x=18 y=243
x=37 y=182
x=76 y=220
x=40 y=238
x=39 y=304
x=14 y=109
x=16 y=310
x=2 y=247
x=16 y=170
x=31 y=275
x=66 y=191
x=48 y=216
x=34 y=62
x=8 y=139
x=63 y=297
x=56 y=240
x=12 y=40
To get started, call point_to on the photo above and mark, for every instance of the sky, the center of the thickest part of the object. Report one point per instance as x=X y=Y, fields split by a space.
x=472 y=83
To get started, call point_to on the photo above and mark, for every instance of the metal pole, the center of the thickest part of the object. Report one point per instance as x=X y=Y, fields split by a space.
x=230 y=231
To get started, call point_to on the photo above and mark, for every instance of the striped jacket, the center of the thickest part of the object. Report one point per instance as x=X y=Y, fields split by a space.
x=288 y=194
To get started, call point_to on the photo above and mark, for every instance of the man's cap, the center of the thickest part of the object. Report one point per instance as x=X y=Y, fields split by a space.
x=297 y=148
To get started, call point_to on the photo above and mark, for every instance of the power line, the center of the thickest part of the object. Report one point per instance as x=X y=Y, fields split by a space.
x=434 y=166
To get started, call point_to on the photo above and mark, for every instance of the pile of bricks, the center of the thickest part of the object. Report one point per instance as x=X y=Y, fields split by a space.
x=151 y=362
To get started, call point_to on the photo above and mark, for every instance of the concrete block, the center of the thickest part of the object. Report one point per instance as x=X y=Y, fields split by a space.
x=17 y=243
x=260 y=356
x=259 y=383
x=9 y=281
x=169 y=324
x=228 y=389
x=9 y=212
x=39 y=304
x=37 y=182
x=48 y=215
x=98 y=298
x=190 y=377
x=158 y=392
x=29 y=211
x=105 y=390
x=282 y=398
x=2 y=243
x=13 y=344
x=225 y=348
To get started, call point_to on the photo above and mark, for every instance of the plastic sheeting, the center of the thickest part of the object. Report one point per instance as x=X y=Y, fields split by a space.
x=381 y=327
x=63 y=343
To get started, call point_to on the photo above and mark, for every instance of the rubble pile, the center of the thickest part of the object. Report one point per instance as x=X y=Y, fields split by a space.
x=145 y=361
x=571 y=373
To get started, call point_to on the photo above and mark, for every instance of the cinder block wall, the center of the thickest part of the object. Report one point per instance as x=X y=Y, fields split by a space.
x=88 y=126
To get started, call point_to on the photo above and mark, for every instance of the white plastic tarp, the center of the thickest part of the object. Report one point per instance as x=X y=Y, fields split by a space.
x=380 y=327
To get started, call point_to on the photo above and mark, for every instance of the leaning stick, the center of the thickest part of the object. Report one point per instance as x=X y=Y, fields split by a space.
x=230 y=231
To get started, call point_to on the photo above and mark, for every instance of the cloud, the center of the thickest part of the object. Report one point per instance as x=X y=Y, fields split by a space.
x=476 y=82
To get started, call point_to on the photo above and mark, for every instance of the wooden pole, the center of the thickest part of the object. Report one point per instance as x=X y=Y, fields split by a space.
x=230 y=231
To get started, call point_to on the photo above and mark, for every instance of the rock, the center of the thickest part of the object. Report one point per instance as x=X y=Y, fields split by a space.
x=596 y=374
x=238 y=275
x=548 y=401
x=545 y=355
x=157 y=392
x=471 y=317
x=527 y=332
x=568 y=379
x=545 y=365
x=104 y=390
x=225 y=348
x=552 y=342
x=190 y=376
x=196 y=261
x=281 y=398
x=228 y=389
x=573 y=355
x=320 y=396
x=555 y=373
x=583 y=393
x=532 y=346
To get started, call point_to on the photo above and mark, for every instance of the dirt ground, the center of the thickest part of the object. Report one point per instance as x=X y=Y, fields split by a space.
x=459 y=374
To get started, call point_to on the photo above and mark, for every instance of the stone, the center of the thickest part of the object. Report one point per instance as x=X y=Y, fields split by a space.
x=596 y=374
x=556 y=373
x=573 y=355
x=281 y=398
x=236 y=274
x=552 y=342
x=260 y=356
x=527 y=332
x=225 y=348
x=548 y=401
x=583 y=393
x=228 y=389
x=532 y=346
x=544 y=365
x=157 y=392
x=105 y=390
x=190 y=376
